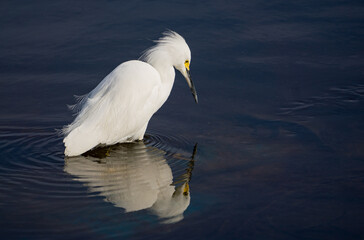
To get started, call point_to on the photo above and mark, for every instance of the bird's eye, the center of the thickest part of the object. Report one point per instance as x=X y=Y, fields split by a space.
x=187 y=65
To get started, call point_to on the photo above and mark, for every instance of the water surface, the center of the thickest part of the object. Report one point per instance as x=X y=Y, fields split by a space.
x=279 y=124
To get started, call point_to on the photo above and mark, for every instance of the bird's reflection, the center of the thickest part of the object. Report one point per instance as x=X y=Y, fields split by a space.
x=134 y=176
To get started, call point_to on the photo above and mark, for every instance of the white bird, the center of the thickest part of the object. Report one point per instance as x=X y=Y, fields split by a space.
x=120 y=107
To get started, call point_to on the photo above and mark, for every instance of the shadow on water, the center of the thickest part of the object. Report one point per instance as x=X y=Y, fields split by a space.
x=137 y=176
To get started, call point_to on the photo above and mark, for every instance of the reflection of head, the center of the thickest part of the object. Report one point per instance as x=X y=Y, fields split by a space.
x=171 y=207
x=134 y=177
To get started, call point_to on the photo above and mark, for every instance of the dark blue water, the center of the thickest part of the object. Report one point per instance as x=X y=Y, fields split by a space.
x=279 y=127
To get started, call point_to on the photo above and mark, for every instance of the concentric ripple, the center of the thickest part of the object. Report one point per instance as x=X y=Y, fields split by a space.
x=37 y=180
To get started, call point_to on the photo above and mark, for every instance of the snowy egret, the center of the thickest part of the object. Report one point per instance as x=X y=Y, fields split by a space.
x=120 y=107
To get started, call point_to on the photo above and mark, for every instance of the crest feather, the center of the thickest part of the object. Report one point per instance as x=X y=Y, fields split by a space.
x=169 y=42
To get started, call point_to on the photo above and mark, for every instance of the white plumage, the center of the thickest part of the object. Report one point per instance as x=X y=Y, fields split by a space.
x=120 y=107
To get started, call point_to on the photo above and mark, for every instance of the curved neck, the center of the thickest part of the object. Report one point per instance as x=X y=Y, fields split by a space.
x=162 y=62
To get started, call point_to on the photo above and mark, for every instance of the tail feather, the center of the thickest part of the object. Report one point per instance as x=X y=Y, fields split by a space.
x=78 y=142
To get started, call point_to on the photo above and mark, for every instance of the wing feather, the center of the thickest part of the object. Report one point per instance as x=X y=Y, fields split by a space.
x=117 y=108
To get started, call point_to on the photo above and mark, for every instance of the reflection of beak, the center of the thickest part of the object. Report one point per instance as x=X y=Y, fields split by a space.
x=186 y=189
x=191 y=85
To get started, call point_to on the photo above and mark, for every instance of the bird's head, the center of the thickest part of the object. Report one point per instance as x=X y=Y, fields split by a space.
x=177 y=51
x=181 y=54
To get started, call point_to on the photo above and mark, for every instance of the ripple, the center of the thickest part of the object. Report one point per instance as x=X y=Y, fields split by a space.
x=338 y=100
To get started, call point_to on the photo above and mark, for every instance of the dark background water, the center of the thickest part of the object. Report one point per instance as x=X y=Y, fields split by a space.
x=279 y=125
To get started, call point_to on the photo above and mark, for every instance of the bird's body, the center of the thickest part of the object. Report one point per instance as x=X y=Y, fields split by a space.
x=120 y=107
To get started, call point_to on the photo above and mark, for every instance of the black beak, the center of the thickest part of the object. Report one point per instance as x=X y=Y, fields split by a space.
x=192 y=86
